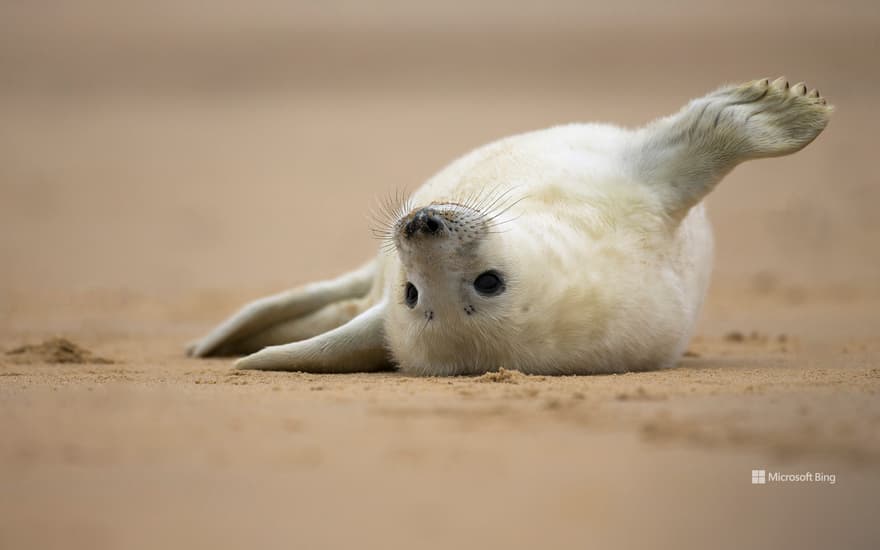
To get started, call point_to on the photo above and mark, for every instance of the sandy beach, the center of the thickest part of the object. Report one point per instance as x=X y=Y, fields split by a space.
x=160 y=166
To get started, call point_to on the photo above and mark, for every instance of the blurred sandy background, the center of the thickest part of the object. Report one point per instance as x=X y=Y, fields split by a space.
x=162 y=162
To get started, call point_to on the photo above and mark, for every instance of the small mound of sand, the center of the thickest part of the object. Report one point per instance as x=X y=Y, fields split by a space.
x=503 y=375
x=54 y=351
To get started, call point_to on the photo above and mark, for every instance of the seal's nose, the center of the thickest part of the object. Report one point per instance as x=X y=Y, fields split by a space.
x=425 y=221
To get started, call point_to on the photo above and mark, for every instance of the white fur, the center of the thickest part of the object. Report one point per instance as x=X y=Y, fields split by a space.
x=599 y=232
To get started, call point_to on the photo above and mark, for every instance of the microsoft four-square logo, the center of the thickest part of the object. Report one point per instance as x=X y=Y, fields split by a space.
x=759 y=477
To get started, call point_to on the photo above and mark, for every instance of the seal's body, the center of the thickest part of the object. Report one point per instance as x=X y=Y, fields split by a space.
x=578 y=249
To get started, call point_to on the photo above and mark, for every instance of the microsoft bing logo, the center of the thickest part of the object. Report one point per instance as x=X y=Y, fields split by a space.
x=763 y=477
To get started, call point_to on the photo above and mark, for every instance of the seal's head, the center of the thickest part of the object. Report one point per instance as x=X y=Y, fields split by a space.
x=453 y=291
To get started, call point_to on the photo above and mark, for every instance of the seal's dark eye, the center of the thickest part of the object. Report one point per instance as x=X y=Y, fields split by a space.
x=489 y=283
x=411 y=295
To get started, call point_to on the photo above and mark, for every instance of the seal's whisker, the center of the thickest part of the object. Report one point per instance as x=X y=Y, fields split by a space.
x=468 y=200
x=385 y=213
x=496 y=215
x=493 y=229
x=492 y=198
x=473 y=199
x=500 y=205
x=388 y=246
x=493 y=223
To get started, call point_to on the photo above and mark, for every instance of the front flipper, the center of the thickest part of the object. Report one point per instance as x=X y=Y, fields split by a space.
x=685 y=155
x=357 y=346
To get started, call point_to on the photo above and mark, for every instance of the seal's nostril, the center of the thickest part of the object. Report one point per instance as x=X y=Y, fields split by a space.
x=424 y=221
x=432 y=224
